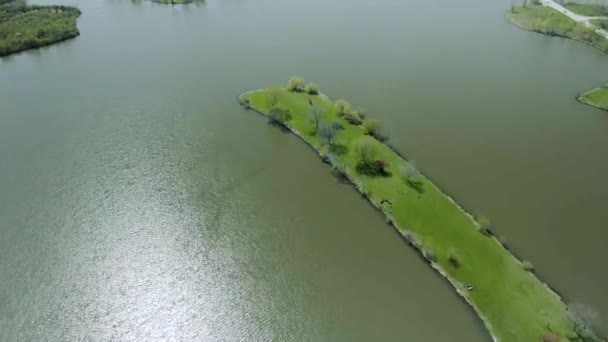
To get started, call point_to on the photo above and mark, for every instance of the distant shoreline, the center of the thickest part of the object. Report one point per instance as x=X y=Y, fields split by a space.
x=28 y=27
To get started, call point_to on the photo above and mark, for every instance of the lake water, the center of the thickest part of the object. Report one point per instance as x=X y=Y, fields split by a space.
x=138 y=201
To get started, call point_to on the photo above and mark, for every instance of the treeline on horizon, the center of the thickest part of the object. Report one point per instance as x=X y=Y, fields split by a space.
x=24 y=27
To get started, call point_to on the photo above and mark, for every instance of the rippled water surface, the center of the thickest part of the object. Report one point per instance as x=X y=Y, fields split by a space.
x=139 y=202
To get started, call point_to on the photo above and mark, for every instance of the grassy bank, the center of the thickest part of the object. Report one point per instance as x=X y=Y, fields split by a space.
x=597 y=97
x=547 y=21
x=507 y=296
x=24 y=27
x=588 y=10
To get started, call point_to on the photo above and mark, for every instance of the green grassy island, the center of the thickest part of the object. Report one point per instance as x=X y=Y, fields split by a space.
x=597 y=97
x=24 y=27
x=504 y=292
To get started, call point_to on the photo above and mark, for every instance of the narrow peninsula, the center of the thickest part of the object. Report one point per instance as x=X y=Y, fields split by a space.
x=586 y=23
x=24 y=27
x=511 y=301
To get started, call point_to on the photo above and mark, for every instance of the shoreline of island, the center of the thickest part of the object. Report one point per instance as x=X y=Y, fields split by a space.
x=560 y=326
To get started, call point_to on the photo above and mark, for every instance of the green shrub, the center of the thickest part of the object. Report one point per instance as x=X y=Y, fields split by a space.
x=429 y=255
x=484 y=225
x=312 y=88
x=279 y=115
x=526 y=265
x=352 y=117
x=343 y=106
x=295 y=84
x=372 y=126
x=274 y=96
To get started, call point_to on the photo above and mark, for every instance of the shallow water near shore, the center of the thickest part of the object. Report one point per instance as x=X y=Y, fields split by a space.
x=139 y=201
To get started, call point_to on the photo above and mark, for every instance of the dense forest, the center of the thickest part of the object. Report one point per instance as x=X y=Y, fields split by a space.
x=24 y=26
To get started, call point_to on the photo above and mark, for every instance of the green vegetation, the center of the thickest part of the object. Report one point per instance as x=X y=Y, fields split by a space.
x=597 y=97
x=312 y=88
x=588 y=10
x=24 y=27
x=512 y=302
x=295 y=84
x=545 y=20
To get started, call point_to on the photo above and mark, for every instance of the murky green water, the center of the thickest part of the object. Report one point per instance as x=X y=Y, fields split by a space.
x=139 y=202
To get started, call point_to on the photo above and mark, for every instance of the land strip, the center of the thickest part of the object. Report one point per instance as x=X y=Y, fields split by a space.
x=511 y=301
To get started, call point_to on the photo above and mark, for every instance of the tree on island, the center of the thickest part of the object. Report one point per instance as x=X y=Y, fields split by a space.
x=295 y=84
x=279 y=115
x=366 y=151
x=327 y=132
x=312 y=88
x=315 y=116
x=352 y=117
x=343 y=106
x=274 y=96
x=372 y=127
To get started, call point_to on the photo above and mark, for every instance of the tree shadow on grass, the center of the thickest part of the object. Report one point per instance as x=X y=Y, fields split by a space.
x=338 y=149
x=373 y=170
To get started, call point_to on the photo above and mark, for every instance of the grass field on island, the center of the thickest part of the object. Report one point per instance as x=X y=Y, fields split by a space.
x=597 y=97
x=516 y=305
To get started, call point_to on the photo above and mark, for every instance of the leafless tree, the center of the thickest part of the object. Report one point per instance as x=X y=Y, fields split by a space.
x=327 y=133
x=315 y=116
x=366 y=150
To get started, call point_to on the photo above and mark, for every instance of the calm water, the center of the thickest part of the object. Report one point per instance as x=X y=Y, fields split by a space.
x=139 y=202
